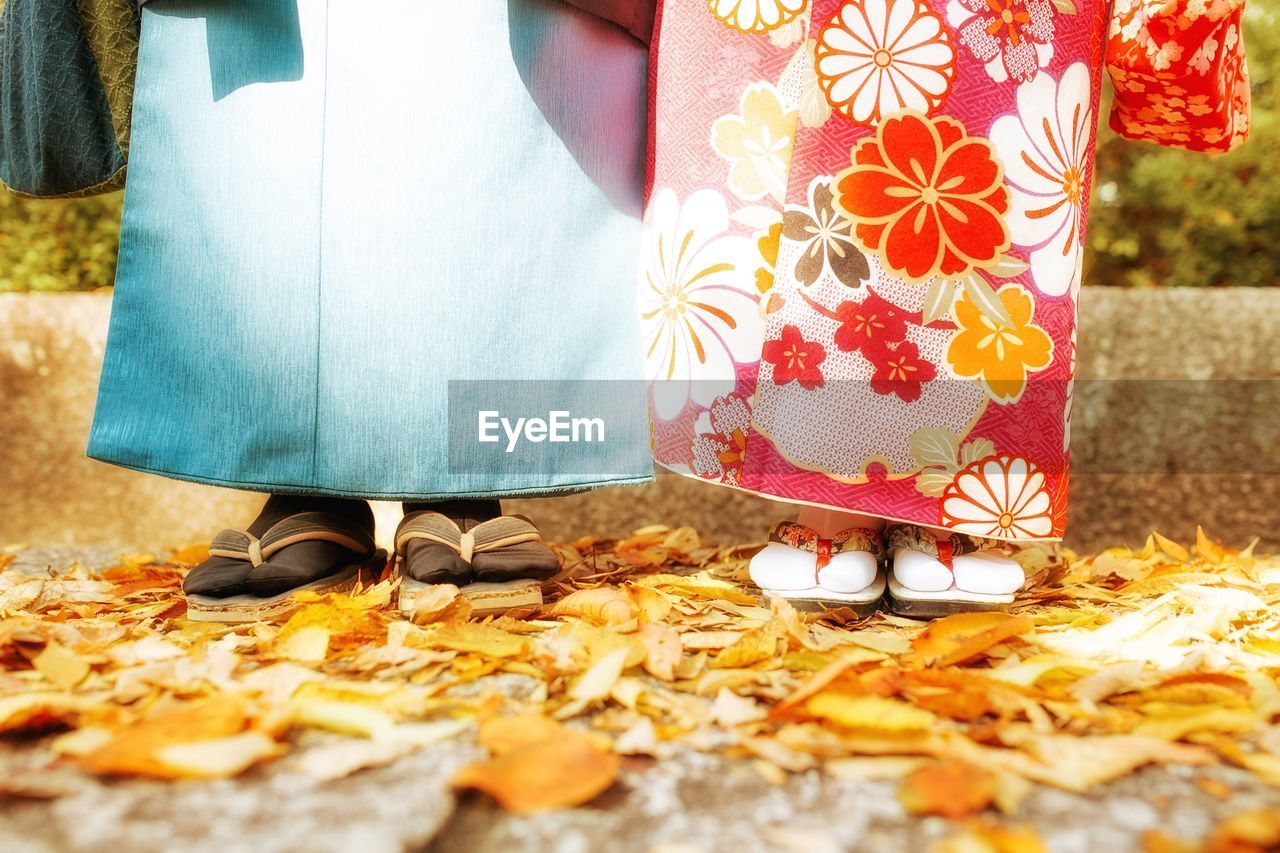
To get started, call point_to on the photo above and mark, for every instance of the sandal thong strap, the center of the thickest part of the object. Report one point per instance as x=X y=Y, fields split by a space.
x=805 y=538
x=943 y=548
x=489 y=535
x=302 y=527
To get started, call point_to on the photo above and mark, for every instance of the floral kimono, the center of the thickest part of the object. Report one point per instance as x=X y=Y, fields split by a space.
x=864 y=237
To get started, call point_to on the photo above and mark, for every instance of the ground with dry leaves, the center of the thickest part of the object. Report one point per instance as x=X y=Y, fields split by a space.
x=655 y=687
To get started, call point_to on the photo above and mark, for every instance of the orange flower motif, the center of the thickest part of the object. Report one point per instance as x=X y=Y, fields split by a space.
x=756 y=16
x=928 y=198
x=1000 y=355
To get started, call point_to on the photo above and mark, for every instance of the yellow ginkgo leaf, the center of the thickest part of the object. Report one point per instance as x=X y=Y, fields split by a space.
x=61 y=666
x=869 y=712
x=756 y=646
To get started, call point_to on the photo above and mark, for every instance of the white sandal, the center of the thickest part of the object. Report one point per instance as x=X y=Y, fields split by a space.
x=802 y=538
x=905 y=601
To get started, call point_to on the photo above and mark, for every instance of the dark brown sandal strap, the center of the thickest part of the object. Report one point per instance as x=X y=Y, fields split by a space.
x=490 y=535
x=429 y=526
x=302 y=527
x=503 y=531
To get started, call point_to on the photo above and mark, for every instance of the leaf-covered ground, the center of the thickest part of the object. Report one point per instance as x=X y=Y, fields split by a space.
x=655 y=645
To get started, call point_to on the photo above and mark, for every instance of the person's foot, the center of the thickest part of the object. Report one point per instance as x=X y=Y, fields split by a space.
x=849 y=572
x=824 y=555
x=941 y=572
x=983 y=573
x=290 y=567
x=435 y=563
x=782 y=568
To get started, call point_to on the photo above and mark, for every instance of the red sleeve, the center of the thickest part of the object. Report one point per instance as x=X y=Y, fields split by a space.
x=1179 y=72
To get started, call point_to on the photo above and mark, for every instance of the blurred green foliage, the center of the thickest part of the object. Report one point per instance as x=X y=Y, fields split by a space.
x=1159 y=216
x=58 y=244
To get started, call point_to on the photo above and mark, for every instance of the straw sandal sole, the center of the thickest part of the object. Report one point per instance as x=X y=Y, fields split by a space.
x=484 y=598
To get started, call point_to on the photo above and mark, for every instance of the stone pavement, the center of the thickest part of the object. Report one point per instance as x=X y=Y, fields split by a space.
x=688 y=801
x=691 y=802
x=705 y=803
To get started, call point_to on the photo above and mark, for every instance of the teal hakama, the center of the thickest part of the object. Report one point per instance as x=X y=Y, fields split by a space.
x=334 y=207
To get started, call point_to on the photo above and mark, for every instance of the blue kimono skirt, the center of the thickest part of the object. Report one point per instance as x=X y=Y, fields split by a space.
x=351 y=226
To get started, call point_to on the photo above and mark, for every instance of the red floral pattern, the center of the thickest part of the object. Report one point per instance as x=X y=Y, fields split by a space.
x=719 y=450
x=902 y=372
x=927 y=197
x=1013 y=37
x=794 y=359
x=1179 y=72
x=900 y=230
x=869 y=326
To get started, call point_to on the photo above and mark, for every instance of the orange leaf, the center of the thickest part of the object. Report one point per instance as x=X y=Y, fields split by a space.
x=964 y=636
x=602 y=606
x=1247 y=832
x=755 y=646
x=478 y=638
x=130 y=578
x=818 y=682
x=344 y=626
x=654 y=606
x=440 y=603
x=961 y=694
x=881 y=681
x=985 y=836
x=1208 y=549
x=136 y=750
x=191 y=555
x=953 y=789
x=567 y=770
x=35 y=711
x=501 y=735
x=1173 y=549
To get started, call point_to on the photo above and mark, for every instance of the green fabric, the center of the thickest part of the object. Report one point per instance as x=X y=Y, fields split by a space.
x=66 y=79
x=111 y=28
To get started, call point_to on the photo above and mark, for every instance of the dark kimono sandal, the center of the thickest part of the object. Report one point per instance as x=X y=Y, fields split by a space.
x=264 y=572
x=499 y=564
x=819 y=598
x=905 y=601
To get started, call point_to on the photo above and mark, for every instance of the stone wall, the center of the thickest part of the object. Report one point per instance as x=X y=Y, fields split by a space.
x=1176 y=424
